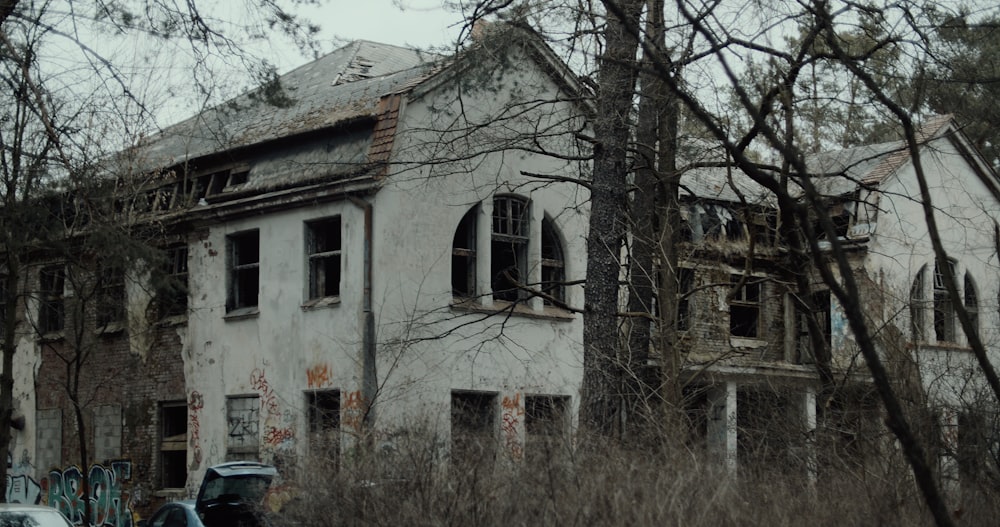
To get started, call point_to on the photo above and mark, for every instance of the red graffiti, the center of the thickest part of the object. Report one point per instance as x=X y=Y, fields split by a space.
x=268 y=401
x=318 y=376
x=512 y=409
x=275 y=436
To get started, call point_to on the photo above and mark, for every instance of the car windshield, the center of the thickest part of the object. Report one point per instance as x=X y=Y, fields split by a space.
x=249 y=489
x=40 y=518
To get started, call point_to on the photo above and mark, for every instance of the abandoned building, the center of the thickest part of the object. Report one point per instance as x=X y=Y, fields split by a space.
x=396 y=245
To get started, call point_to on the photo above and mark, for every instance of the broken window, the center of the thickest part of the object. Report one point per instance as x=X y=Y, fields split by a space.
x=323 y=408
x=463 y=256
x=553 y=275
x=473 y=427
x=173 y=444
x=509 y=248
x=944 y=311
x=173 y=293
x=323 y=238
x=822 y=312
x=243 y=428
x=972 y=301
x=545 y=424
x=110 y=295
x=244 y=269
x=51 y=288
x=744 y=308
x=917 y=301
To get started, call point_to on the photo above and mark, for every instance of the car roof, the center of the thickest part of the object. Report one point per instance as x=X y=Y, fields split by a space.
x=243 y=468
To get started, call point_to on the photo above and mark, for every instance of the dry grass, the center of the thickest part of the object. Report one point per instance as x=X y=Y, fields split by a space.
x=600 y=485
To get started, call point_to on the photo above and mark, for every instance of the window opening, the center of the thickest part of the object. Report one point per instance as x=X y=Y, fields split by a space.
x=744 y=308
x=173 y=445
x=917 y=301
x=509 y=250
x=324 y=423
x=944 y=311
x=545 y=422
x=553 y=267
x=243 y=420
x=173 y=294
x=463 y=256
x=52 y=283
x=244 y=255
x=473 y=427
x=685 y=284
x=822 y=310
x=324 y=246
x=110 y=295
x=972 y=302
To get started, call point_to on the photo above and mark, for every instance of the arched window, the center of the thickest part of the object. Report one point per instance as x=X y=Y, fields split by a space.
x=972 y=301
x=917 y=301
x=509 y=248
x=944 y=310
x=553 y=274
x=463 y=256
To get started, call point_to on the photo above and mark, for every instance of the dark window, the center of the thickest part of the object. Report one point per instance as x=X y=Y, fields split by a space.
x=917 y=303
x=244 y=271
x=473 y=427
x=173 y=445
x=944 y=311
x=972 y=302
x=4 y=291
x=463 y=256
x=324 y=424
x=110 y=295
x=173 y=294
x=821 y=304
x=685 y=284
x=553 y=266
x=239 y=176
x=324 y=245
x=545 y=423
x=744 y=308
x=509 y=250
x=51 y=314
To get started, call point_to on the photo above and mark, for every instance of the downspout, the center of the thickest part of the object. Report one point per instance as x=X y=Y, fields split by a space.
x=369 y=374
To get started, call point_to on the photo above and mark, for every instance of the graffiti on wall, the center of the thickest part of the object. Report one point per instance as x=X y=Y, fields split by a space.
x=353 y=411
x=278 y=429
x=513 y=412
x=110 y=503
x=21 y=487
x=318 y=376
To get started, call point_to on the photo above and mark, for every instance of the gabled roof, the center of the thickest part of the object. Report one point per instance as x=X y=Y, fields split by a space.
x=841 y=171
x=343 y=86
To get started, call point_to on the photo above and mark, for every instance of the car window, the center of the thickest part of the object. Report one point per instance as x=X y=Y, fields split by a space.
x=170 y=517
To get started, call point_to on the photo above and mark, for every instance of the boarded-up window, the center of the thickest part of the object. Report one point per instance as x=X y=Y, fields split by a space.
x=243 y=419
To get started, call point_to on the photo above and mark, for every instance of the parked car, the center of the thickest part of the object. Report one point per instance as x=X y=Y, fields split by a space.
x=231 y=495
x=21 y=515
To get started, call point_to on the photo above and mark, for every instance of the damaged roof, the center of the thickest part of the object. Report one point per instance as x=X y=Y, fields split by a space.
x=343 y=86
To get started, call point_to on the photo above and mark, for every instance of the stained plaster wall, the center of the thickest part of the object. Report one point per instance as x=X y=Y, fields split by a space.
x=900 y=247
x=425 y=346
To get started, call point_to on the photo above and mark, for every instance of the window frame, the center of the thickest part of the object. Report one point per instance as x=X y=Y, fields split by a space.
x=742 y=301
x=970 y=299
x=243 y=272
x=246 y=450
x=918 y=306
x=321 y=262
x=172 y=297
x=944 y=308
x=510 y=237
x=463 y=255
x=51 y=307
x=111 y=296
x=553 y=265
x=172 y=443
